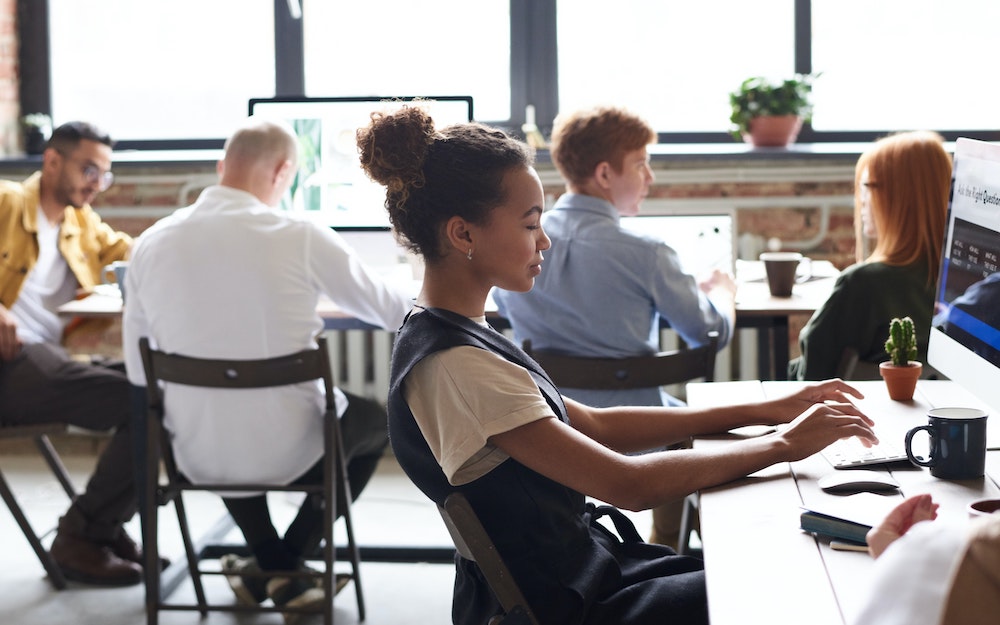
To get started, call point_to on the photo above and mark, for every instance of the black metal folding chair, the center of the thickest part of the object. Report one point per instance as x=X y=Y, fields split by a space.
x=40 y=435
x=303 y=366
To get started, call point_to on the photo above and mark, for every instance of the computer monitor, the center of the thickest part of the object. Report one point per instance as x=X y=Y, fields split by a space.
x=703 y=242
x=331 y=188
x=965 y=335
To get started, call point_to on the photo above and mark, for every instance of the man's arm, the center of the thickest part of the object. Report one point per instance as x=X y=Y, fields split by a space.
x=345 y=279
x=10 y=345
x=686 y=304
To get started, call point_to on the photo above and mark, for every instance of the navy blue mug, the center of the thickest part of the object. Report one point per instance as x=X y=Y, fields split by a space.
x=957 y=443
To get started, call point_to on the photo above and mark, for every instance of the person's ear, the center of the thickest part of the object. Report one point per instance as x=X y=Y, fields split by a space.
x=284 y=172
x=602 y=174
x=459 y=235
x=51 y=159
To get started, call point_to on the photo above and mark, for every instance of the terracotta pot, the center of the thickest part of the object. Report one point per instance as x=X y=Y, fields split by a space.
x=901 y=381
x=773 y=131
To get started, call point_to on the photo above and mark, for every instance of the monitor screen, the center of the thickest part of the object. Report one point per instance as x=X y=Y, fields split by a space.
x=965 y=335
x=330 y=187
x=703 y=242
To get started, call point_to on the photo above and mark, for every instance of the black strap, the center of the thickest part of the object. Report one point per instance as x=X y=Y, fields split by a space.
x=623 y=525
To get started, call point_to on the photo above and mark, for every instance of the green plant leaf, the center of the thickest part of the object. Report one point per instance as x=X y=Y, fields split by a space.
x=758 y=96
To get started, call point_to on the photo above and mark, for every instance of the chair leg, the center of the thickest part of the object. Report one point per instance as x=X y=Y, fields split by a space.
x=355 y=553
x=55 y=463
x=193 y=559
x=55 y=574
x=151 y=574
x=352 y=545
x=689 y=517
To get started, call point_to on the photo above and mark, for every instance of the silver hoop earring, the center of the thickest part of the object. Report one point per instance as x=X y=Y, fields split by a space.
x=469 y=255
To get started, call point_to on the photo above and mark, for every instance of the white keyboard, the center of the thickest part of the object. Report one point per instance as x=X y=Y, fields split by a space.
x=850 y=452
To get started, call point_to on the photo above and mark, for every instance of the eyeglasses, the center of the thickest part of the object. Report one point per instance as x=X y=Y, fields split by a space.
x=94 y=174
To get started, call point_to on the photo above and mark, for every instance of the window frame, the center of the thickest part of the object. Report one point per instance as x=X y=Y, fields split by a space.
x=533 y=72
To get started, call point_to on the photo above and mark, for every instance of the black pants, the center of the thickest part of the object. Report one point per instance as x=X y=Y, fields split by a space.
x=365 y=436
x=43 y=384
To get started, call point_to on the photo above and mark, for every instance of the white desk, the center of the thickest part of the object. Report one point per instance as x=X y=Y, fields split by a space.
x=760 y=567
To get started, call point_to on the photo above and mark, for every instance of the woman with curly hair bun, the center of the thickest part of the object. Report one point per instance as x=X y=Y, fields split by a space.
x=470 y=412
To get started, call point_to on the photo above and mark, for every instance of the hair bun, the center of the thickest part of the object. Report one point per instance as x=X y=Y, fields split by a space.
x=393 y=148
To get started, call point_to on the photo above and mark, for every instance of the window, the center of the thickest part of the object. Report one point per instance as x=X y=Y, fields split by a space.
x=427 y=48
x=179 y=69
x=674 y=63
x=179 y=73
x=905 y=64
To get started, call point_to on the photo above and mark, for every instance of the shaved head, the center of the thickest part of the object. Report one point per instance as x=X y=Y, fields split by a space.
x=261 y=140
x=261 y=158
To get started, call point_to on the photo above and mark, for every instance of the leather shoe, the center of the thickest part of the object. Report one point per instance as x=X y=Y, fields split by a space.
x=85 y=561
x=127 y=549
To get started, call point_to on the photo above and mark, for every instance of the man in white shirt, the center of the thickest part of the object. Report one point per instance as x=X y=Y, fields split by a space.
x=231 y=277
x=52 y=245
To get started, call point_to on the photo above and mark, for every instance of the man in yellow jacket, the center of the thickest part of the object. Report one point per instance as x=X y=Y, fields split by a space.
x=52 y=245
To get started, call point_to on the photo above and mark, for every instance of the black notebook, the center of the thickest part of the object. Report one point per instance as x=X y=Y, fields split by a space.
x=847 y=517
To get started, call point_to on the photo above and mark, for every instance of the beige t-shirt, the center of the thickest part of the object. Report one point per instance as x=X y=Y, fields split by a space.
x=462 y=396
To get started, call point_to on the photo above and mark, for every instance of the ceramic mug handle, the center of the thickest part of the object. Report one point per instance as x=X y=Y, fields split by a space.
x=931 y=460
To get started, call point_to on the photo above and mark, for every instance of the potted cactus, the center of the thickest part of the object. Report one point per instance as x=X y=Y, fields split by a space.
x=901 y=371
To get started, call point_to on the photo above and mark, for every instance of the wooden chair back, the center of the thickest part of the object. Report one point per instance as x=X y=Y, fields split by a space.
x=473 y=543
x=660 y=369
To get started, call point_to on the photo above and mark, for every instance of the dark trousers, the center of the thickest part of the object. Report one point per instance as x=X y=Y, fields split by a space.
x=365 y=434
x=44 y=385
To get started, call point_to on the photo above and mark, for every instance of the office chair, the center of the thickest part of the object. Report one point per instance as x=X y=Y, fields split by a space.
x=660 y=369
x=40 y=434
x=473 y=543
x=304 y=366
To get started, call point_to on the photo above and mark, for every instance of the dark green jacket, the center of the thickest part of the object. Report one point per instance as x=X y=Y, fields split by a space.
x=864 y=300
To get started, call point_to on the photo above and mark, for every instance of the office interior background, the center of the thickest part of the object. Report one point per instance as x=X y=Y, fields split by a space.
x=169 y=80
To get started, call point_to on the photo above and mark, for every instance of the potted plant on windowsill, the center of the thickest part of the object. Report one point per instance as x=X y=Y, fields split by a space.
x=36 y=128
x=901 y=371
x=770 y=113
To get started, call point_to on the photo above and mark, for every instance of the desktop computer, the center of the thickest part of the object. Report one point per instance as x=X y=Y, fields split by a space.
x=331 y=188
x=965 y=334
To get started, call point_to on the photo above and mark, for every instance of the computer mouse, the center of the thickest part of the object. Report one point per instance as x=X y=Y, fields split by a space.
x=855 y=481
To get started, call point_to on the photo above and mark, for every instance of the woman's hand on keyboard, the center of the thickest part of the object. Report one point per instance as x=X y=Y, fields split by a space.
x=822 y=424
x=830 y=391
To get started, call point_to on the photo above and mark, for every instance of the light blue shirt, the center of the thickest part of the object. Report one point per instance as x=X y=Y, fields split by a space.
x=602 y=292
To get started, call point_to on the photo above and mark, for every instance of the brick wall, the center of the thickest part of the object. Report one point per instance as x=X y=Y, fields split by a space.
x=137 y=199
x=10 y=138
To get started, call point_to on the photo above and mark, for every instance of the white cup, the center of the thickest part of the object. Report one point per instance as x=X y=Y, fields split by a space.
x=983 y=507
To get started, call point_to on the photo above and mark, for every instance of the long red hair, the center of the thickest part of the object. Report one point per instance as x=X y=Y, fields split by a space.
x=909 y=177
